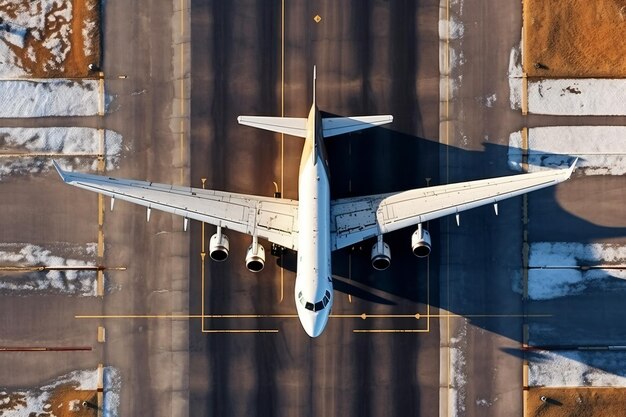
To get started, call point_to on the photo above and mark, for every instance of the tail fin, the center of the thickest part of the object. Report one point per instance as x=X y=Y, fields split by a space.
x=314 y=79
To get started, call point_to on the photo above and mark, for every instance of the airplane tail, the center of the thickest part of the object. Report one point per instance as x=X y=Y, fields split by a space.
x=332 y=126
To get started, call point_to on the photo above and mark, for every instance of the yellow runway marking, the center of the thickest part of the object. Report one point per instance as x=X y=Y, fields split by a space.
x=363 y=316
x=447 y=146
x=282 y=136
x=101 y=95
x=390 y=331
x=182 y=93
x=100 y=249
x=242 y=331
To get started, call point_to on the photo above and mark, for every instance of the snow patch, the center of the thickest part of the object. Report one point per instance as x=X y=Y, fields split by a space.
x=574 y=97
x=577 y=369
x=70 y=282
x=82 y=144
x=44 y=98
x=515 y=78
x=112 y=383
x=578 y=97
x=46 y=22
x=457 y=393
x=554 y=269
x=602 y=149
x=451 y=29
x=37 y=401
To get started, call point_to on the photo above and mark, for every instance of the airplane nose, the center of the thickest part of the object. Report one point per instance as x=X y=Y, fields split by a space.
x=314 y=324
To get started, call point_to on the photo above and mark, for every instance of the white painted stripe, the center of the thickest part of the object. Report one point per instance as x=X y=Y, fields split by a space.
x=554 y=269
x=601 y=149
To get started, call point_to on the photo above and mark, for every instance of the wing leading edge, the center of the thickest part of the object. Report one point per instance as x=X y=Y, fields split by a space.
x=270 y=218
x=356 y=219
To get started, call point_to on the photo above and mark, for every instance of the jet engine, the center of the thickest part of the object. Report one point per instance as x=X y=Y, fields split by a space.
x=255 y=257
x=420 y=242
x=218 y=246
x=381 y=255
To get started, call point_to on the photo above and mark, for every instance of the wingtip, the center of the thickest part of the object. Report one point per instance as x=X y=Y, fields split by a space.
x=59 y=170
x=572 y=168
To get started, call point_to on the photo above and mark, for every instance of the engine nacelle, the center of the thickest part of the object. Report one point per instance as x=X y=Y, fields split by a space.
x=420 y=242
x=381 y=255
x=219 y=247
x=255 y=257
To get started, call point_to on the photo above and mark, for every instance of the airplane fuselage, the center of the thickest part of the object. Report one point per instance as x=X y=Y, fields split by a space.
x=314 y=289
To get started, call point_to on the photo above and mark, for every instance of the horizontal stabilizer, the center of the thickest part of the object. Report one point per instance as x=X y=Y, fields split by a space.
x=294 y=126
x=334 y=126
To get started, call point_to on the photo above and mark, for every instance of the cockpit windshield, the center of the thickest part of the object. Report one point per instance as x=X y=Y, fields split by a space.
x=318 y=306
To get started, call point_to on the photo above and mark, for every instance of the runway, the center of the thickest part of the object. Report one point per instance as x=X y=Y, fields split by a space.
x=256 y=58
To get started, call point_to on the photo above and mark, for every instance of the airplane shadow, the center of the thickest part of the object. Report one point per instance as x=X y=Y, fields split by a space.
x=380 y=160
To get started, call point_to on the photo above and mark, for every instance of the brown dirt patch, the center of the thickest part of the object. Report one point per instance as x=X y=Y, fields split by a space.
x=575 y=38
x=78 y=38
x=64 y=401
x=576 y=402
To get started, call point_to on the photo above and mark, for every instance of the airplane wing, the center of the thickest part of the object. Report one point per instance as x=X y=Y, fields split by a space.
x=274 y=219
x=356 y=219
x=334 y=126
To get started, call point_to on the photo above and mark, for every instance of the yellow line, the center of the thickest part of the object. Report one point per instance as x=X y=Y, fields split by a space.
x=349 y=274
x=202 y=265
x=363 y=316
x=182 y=93
x=447 y=146
x=100 y=249
x=428 y=293
x=101 y=96
x=242 y=331
x=390 y=331
x=282 y=136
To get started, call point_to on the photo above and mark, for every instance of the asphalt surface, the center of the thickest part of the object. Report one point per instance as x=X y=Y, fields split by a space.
x=372 y=58
x=140 y=42
x=482 y=265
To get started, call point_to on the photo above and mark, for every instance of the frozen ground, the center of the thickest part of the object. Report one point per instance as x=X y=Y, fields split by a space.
x=601 y=149
x=554 y=269
x=46 y=22
x=37 y=401
x=576 y=368
x=75 y=147
x=44 y=98
x=458 y=372
x=575 y=97
x=70 y=282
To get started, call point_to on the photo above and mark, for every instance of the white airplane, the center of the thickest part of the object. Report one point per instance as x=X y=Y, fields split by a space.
x=315 y=225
